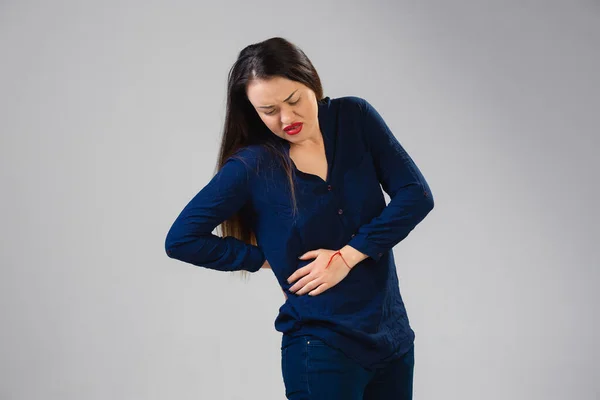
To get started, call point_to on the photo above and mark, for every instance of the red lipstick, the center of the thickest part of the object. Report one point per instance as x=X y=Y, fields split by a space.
x=293 y=129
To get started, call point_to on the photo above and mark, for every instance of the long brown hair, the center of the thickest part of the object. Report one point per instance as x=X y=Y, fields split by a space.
x=264 y=60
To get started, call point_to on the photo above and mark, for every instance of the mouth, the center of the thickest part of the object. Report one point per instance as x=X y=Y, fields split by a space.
x=293 y=129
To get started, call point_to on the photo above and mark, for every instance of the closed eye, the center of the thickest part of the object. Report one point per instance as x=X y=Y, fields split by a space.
x=273 y=111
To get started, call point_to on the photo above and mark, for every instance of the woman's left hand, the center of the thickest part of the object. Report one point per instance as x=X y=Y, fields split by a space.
x=316 y=277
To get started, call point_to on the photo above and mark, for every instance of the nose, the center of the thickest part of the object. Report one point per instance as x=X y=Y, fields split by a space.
x=287 y=117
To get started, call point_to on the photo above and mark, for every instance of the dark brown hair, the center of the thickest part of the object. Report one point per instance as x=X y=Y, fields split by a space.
x=274 y=57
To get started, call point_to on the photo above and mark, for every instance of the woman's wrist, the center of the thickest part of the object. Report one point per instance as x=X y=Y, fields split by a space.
x=352 y=256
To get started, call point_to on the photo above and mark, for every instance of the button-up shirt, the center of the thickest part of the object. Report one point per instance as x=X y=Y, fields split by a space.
x=364 y=314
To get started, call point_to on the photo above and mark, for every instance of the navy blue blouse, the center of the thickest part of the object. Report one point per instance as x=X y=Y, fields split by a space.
x=363 y=315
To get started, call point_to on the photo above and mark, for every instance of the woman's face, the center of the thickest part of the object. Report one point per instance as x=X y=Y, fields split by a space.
x=281 y=102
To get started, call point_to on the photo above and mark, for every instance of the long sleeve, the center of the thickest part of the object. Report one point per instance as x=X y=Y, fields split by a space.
x=410 y=197
x=190 y=238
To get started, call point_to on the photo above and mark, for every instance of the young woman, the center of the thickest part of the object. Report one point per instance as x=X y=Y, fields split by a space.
x=298 y=190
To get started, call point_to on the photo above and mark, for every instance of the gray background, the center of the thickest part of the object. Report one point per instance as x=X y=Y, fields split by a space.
x=111 y=116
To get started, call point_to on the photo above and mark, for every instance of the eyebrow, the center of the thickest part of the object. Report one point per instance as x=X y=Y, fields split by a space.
x=284 y=100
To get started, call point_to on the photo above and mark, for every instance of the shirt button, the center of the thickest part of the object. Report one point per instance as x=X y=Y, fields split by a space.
x=379 y=254
x=353 y=235
x=340 y=211
x=328 y=187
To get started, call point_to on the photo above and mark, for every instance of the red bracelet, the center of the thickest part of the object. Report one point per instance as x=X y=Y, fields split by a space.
x=333 y=255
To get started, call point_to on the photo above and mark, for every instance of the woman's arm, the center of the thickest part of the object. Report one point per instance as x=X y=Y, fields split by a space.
x=190 y=238
x=411 y=198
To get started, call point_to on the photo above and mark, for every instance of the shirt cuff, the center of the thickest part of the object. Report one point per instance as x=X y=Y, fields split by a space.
x=361 y=243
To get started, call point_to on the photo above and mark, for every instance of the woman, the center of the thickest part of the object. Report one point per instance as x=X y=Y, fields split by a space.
x=298 y=191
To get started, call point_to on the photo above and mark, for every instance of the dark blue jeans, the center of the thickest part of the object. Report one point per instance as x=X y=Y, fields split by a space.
x=312 y=370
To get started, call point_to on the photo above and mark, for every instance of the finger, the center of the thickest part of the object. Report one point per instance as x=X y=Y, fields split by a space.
x=323 y=287
x=300 y=272
x=302 y=282
x=309 y=254
x=309 y=286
